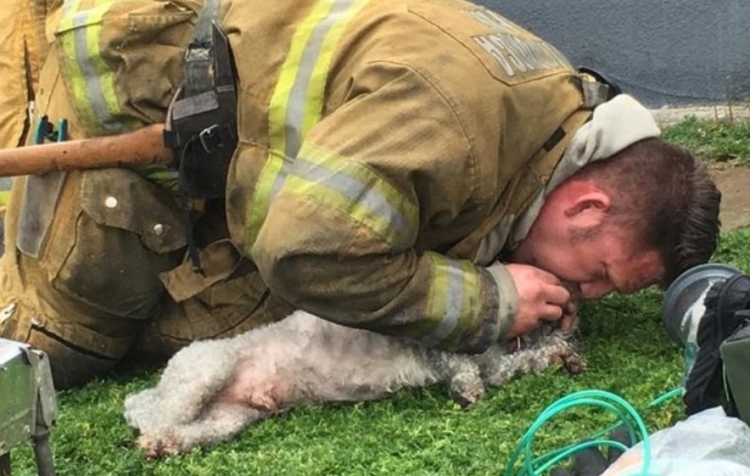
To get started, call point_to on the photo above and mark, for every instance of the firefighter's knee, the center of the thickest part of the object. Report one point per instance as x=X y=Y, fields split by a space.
x=77 y=353
x=72 y=366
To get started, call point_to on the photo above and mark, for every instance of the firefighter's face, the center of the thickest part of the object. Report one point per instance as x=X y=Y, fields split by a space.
x=599 y=262
x=572 y=240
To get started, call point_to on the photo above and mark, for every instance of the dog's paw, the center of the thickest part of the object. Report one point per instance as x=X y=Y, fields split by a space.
x=155 y=446
x=466 y=392
x=571 y=363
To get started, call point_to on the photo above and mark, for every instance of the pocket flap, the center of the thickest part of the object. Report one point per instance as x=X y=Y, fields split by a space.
x=122 y=199
x=219 y=261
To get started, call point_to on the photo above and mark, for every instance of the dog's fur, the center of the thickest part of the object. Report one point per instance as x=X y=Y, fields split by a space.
x=213 y=389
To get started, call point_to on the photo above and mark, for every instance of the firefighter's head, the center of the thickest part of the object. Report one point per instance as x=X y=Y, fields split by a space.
x=638 y=218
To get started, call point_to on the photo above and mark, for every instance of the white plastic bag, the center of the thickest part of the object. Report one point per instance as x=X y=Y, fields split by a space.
x=708 y=443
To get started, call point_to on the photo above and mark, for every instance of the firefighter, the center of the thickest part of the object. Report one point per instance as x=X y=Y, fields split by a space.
x=419 y=168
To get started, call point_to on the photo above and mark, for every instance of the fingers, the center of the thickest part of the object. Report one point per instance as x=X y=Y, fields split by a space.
x=541 y=297
x=558 y=295
x=551 y=313
x=547 y=287
x=546 y=276
x=554 y=291
x=559 y=304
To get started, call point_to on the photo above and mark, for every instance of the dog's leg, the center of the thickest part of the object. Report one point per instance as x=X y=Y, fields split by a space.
x=256 y=385
x=192 y=378
x=219 y=422
x=461 y=373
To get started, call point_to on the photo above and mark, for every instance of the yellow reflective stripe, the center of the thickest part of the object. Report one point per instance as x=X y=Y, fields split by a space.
x=93 y=87
x=297 y=101
x=453 y=297
x=262 y=196
x=355 y=190
x=282 y=100
x=343 y=11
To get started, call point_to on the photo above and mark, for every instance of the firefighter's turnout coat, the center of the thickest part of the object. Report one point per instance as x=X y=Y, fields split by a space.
x=388 y=152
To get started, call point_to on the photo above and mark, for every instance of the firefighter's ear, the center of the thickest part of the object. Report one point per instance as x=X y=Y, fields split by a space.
x=589 y=206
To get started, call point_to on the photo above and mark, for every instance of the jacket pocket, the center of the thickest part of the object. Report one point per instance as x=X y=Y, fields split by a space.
x=114 y=232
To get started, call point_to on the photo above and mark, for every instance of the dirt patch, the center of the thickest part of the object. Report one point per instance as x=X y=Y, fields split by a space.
x=734 y=184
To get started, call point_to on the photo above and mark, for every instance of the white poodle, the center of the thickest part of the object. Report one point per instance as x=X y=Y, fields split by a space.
x=213 y=389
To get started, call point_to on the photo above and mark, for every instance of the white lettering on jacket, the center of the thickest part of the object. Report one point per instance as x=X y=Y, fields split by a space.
x=514 y=53
x=517 y=55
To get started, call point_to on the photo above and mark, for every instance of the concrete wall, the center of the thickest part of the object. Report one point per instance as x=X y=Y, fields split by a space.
x=665 y=52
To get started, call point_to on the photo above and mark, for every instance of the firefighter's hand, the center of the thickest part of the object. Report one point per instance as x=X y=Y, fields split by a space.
x=592 y=462
x=541 y=297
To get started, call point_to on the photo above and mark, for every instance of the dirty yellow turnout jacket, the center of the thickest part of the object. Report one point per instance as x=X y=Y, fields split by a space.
x=380 y=141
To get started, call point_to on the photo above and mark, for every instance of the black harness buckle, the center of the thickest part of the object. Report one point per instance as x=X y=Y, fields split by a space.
x=202 y=119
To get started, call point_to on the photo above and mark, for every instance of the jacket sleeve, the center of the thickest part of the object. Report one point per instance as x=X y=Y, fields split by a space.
x=343 y=235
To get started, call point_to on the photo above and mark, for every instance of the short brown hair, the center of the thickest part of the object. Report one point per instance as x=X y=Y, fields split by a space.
x=667 y=197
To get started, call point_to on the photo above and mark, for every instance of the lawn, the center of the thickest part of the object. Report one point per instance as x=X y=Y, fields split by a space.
x=415 y=432
x=723 y=143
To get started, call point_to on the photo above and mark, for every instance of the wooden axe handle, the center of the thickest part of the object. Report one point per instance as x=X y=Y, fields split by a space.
x=141 y=147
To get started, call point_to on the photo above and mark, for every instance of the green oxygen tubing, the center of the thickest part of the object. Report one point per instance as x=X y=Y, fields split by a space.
x=627 y=416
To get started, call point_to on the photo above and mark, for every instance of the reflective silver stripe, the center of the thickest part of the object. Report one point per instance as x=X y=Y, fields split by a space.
x=297 y=103
x=453 y=305
x=92 y=77
x=295 y=115
x=356 y=191
x=279 y=181
x=298 y=97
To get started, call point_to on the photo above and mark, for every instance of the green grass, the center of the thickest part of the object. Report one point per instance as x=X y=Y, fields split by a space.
x=723 y=143
x=419 y=432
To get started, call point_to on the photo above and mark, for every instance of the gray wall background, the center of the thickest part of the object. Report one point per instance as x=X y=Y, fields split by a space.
x=665 y=52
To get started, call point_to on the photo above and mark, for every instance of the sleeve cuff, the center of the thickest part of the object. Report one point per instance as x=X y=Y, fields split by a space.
x=507 y=297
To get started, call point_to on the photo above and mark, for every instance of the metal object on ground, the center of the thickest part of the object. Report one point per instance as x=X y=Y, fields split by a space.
x=28 y=406
x=683 y=306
